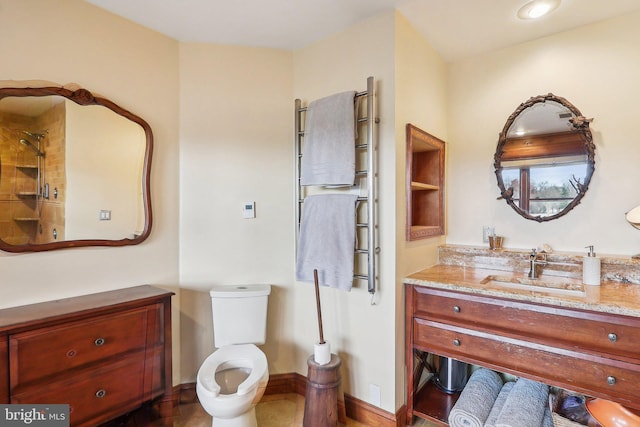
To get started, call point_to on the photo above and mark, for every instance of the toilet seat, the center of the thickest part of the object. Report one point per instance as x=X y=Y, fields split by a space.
x=232 y=356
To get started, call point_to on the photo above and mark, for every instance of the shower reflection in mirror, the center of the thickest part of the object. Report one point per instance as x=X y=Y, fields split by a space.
x=39 y=152
x=32 y=189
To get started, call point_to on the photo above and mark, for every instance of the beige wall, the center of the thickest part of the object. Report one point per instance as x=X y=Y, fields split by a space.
x=66 y=41
x=361 y=333
x=236 y=146
x=595 y=67
x=420 y=99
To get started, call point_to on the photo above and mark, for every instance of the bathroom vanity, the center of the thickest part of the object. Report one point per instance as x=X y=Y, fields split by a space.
x=104 y=354
x=581 y=340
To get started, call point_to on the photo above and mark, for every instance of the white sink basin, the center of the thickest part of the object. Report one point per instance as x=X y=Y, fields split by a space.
x=548 y=284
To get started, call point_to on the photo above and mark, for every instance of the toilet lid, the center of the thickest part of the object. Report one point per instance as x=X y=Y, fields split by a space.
x=233 y=356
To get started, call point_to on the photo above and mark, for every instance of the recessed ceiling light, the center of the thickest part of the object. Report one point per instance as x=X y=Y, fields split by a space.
x=537 y=8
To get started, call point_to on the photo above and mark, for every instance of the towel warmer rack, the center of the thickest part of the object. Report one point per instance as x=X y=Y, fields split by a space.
x=366 y=179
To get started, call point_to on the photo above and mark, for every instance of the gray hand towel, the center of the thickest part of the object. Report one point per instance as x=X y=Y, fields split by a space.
x=476 y=400
x=525 y=405
x=327 y=240
x=328 y=151
x=498 y=404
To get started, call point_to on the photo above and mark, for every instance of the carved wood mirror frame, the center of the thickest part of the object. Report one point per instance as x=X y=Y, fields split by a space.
x=85 y=98
x=581 y=137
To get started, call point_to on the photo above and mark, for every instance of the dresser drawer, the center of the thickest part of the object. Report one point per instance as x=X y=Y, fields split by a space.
x=564 y=368
x=38 y=354
x=94 y=395
x=567 y=328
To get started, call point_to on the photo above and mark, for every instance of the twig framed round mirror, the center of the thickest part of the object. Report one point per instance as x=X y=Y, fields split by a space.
x=544 y=160
x=76 y=170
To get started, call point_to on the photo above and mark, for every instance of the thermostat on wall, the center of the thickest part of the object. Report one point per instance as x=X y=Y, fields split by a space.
x=249 y=210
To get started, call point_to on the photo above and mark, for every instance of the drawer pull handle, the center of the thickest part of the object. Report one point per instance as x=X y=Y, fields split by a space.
x=456 y=309
x=611 y=380
x=101 y=393
x=613 y=337
x=98 y=342
x=456 y=342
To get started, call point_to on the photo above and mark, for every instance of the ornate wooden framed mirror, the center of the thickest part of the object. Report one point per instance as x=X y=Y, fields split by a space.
x=74 y=171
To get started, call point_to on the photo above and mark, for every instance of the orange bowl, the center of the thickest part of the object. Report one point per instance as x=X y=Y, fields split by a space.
x=611 y=414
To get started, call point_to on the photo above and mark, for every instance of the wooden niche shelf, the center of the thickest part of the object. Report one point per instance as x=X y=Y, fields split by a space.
x=425 y=184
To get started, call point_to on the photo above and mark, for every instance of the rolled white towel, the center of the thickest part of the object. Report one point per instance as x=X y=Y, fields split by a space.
x=476 y=400
x=525 y=405
x=499 y=403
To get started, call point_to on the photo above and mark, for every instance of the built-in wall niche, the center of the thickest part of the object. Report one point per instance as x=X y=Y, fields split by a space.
x=425 y=184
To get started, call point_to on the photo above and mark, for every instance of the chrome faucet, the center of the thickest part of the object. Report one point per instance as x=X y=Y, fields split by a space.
x=536 y=259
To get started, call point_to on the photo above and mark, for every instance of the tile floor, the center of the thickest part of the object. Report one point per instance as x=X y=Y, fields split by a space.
x=276 y=410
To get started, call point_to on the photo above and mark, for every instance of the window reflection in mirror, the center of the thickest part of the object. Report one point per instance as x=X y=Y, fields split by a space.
x=544 y=160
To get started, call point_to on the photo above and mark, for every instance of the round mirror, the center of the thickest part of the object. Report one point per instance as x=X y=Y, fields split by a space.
x=545 y=158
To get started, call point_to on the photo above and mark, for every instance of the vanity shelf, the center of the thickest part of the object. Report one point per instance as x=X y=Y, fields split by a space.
x=425 y=184
x=433 y=404
x=585 y=351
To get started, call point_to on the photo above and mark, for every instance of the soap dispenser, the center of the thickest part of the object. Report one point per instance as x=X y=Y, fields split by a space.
x=591 y=268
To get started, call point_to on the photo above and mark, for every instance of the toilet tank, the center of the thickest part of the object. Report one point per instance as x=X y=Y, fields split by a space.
x=239 y=314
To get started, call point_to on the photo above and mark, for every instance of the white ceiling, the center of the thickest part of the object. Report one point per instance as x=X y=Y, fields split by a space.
x=455 y=28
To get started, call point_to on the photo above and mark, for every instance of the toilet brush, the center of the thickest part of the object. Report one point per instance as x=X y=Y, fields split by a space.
x=322 y=352
x=318 y=309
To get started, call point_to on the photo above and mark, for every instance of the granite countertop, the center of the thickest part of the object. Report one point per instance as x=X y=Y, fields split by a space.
x=610 y=297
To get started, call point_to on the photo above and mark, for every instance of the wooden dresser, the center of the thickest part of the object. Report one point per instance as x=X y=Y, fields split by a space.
x=103 y=354
x=593 y=352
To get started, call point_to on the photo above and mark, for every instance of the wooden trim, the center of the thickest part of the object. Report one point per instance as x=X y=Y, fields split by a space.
x=286 y=383
x=368 y=414
x=356 y=409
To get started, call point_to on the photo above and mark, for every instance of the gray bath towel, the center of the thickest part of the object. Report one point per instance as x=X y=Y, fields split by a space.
x=476 y=400
x=328 y=152
x=525 y=405
x=498 y=404
x=327 y=240
x=547 y=421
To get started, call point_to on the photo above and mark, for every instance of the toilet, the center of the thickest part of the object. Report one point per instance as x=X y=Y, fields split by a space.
x=232 y=380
